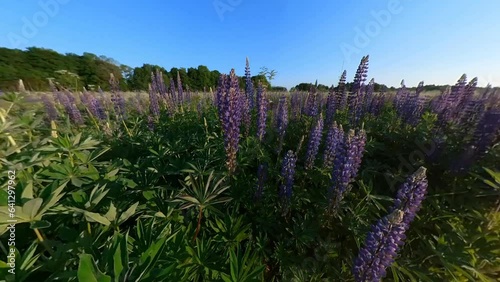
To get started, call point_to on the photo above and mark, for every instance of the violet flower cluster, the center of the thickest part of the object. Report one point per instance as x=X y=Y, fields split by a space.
x=340 y=92
x=314 y=142
x=312 y=103
x=388 y=234
x=71 y=110
x=296 y=104
x=487 y=131
x=180 y=92
x=348 y=157
x=356 y=97
x=262 y=104
x=117 y=98
x=331 y=105
x=249 y=90
x=50 y=109
x=154 y=105
x=229 y=103
x=281 y=120
x=334 y=139
x=95 y=106
x=287 y=173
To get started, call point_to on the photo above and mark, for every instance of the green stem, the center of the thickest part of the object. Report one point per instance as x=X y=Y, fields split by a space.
x=42 y=241
x=200 y=215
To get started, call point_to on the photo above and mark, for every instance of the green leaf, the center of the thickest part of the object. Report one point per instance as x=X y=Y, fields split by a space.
x=4 y=197
x=95 y=217
x=40 y=224
x=31 y=207
x=128 y=213
x=111 y=214
x=88 y=271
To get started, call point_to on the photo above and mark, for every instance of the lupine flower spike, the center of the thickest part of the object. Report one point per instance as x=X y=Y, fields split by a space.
x=388 y=234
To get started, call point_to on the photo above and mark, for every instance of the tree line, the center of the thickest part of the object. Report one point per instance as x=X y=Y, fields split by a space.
x=36 y=66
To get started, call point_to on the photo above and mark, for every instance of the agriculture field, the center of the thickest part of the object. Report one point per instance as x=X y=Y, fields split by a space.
x=243 y=184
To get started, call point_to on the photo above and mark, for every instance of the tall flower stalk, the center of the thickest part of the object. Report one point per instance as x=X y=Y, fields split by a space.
x=282 y=121
x=262 y=104
x=347 y=161
x=314 y=142
x=287 y=173
x=230 y=107
x=249 y=90
x=388 y=234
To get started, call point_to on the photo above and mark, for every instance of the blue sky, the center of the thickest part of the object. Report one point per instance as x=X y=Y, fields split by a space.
x=434 y=41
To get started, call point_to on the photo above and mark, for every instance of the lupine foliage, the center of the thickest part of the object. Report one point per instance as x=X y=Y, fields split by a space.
x=107 y=190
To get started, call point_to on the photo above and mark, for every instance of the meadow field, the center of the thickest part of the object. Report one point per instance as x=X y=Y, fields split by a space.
x=250 y=185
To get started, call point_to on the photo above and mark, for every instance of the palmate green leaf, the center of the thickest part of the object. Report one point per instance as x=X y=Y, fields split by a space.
x=95 y=217
x=88 y=271
x=32 y=207
x=150 y=257
x=111 y=214
x=120 y=259
x=128 y=213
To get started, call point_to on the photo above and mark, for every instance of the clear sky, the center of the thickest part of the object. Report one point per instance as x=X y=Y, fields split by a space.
x=430 y=40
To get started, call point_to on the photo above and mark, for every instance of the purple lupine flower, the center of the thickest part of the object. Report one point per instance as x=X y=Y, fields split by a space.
x=261 y=112
x=94 y=106
x=368 y=97
x=154 y=107
x=117 y=98
x=314 y=141
x=71 y=109
x=410 y=196
x=452 y=100
x=401 y=97
x=287 y=173
x=340 y=92
x=344 y=158
x=359 y=144
x=388 y=234
x=381 y=246
x=249 y=85
x=282 y=120
x=334 y=139
x=50 y=109
x=151 y=123
x=296 y=105
x=487 y=131
x=246 y=115
x=355 y=98
x=230 y=108
x=172 y=91
x=411 y=108
x=180 y=92
x=199 y=108
x=261 y=179
x=161 y=87
x=70 y=96
x=331 y=105
x=347 y=161
x=312 y=103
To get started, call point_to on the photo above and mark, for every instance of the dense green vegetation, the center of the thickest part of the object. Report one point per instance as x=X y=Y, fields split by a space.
x=108 y=189
x=36 y=65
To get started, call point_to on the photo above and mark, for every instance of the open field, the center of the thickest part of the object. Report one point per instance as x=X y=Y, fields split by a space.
x=245 y=185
